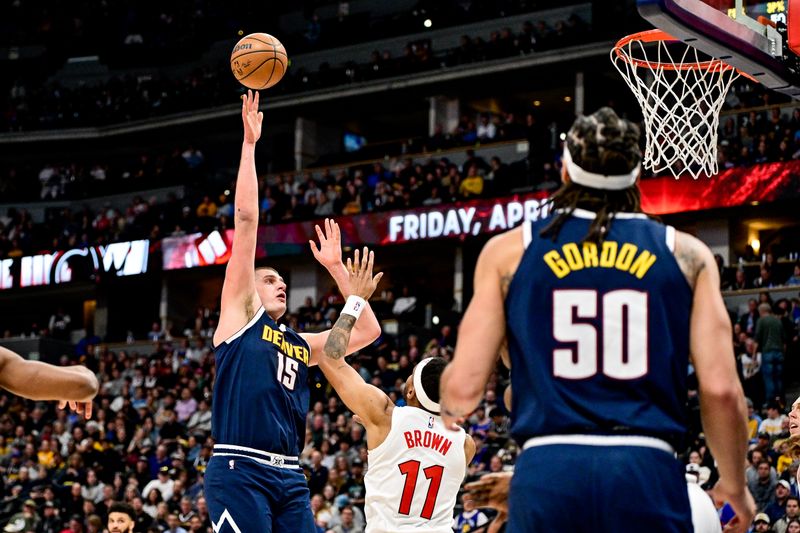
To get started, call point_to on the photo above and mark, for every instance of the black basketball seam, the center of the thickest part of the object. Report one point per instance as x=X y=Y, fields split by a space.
x=271 y=73
x=262 y=42
x=258 y=67
x=233 y=58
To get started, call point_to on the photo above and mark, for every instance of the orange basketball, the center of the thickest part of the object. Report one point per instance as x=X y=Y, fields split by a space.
x=259 y=61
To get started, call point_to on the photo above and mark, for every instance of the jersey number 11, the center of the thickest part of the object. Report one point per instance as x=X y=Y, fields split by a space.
x=410 y=469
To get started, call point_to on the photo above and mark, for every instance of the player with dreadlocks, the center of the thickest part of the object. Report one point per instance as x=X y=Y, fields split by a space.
x=603 y=309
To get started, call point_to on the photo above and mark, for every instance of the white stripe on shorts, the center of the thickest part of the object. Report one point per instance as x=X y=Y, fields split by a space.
x=600 y=440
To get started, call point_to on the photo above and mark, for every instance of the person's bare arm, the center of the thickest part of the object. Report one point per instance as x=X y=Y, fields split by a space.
x=469 y=449
x=371 y=404
x=329 y=255
x=722 y=404
x=35 y=380
x=239 y=297
x=482 y=329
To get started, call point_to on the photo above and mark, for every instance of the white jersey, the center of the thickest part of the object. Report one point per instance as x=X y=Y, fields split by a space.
x=704 y=515
x=414 y=475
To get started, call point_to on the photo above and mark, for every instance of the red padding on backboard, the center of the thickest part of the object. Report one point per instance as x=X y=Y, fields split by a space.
x=793 y=24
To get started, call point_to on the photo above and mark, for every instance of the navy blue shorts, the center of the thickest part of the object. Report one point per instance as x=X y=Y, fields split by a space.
x=245 y=496
x=597 y=489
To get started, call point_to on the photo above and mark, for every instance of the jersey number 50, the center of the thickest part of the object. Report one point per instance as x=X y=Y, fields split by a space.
x=624 y=333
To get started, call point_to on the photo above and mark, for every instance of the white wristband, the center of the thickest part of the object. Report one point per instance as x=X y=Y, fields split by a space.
x=354 y=306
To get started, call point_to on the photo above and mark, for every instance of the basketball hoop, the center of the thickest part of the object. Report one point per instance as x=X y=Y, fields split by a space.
x=681 y=95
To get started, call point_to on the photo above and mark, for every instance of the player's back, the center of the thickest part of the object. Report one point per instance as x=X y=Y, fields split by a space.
x=414 y=475
x=260 y=390
x=599 y=334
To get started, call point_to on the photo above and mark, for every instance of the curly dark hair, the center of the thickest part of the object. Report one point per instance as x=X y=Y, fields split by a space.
x=601 y=143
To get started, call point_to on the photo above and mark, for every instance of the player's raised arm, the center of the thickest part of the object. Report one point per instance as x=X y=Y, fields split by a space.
x=365 y=400
x=722 y=404
x=76 y=385
x=329 y=255
x=480 y=335
x=239 y=298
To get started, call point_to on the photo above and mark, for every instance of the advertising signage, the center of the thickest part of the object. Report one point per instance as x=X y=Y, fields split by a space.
x=78 y=264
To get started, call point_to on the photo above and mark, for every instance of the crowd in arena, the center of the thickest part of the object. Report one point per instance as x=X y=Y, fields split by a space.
x=748 y=138
x=96 y=27
x=29 y=105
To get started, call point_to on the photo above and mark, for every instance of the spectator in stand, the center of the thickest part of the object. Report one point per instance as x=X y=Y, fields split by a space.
x=792 y=513
x=773 y=424
x=794 y=279
x=740 y=281
x=749 y=320
x=469 y=519
x=486 y=129
x=765 y=280
x=59 y=324
x=405 y=303
x=763 y=487
x=769 y=337
x=347 y=522
x=472 y=184
x=777 y=508
x=207 y=208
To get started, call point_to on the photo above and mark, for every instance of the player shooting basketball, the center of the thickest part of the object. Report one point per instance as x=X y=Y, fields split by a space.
x=407 y=445
x=253 y=481
x=603 y=309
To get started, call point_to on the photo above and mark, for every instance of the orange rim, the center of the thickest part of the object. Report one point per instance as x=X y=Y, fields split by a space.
x=654 y=36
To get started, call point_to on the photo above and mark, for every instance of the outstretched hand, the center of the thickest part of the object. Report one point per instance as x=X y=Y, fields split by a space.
x=491 y=490
x=84 y=408
x=742 y=502
x=251 y=117
x=362 y=283
x=329 y=253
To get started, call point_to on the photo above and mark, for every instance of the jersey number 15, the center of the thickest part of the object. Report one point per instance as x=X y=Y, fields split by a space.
x=623 y=324
x=287 y=371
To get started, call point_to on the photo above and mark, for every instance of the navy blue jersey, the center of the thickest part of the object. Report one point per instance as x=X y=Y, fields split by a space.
x=598 y=335
x=261 y=392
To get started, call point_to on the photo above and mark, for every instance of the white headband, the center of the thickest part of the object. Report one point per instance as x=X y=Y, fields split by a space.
x=423 y=398
x=598 y=181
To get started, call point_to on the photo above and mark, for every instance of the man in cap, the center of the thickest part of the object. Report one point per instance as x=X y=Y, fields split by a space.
x=163 y=483
x=25 y=520
x=761 y=523
x=777 y=508
x=51 y=522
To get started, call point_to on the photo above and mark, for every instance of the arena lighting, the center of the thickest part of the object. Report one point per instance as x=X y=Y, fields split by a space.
x=435 y=320
x=428 y=23
x=563 y=136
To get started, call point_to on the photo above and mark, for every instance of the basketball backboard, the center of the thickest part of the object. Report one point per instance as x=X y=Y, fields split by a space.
x=763 y=49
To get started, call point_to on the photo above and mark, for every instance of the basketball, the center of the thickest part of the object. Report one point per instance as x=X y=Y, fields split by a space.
x=258 y=61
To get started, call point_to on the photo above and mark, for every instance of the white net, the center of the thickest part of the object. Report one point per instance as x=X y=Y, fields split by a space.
x=681 y=95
